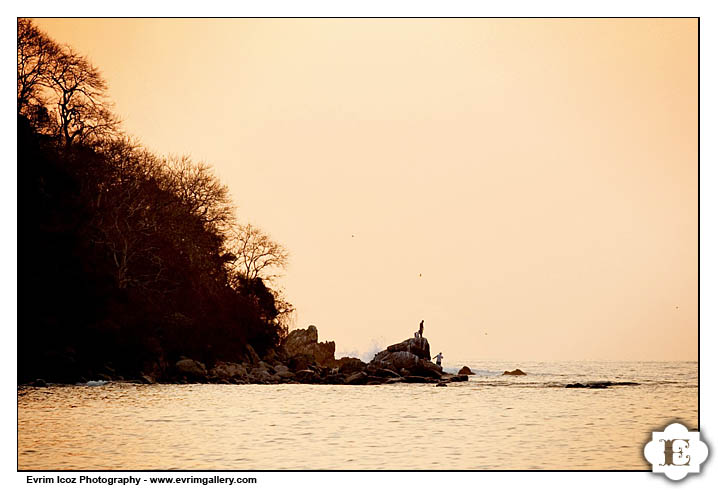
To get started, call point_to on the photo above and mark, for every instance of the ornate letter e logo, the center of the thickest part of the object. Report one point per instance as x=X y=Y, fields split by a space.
x=676 y=452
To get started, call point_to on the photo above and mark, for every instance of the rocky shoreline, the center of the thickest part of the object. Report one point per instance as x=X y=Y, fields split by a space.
x=301 y=359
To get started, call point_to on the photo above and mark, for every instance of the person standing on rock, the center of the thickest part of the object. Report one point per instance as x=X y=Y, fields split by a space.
x=438 y=358
x=421 y=329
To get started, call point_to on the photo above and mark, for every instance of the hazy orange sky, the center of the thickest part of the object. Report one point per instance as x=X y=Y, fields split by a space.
x=527 y=187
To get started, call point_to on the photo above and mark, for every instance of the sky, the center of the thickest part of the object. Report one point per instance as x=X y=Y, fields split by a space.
x=527 y=187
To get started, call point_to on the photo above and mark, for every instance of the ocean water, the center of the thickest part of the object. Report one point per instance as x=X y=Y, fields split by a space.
x=490 y=422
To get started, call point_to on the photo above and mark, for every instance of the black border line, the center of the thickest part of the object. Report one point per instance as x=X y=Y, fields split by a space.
x=697 y=18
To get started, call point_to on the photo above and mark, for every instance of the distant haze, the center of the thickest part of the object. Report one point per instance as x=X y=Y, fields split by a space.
x=526 y=187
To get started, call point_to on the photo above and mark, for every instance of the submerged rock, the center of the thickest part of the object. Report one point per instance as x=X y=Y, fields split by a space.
x=515 y=372
x=601 y=384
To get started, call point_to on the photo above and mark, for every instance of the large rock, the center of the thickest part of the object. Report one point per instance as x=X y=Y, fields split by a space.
x=385 y=373
x=252 y=356
x=304 y=342
x=405 y=363
x=228 y=370
x=259 y=375
x=267 y=367
x=359 y=378
x=350 y=365
x=306 y=376
x=191 y=369
x=428 y=369
x=410 y=359
x=417 y=346
x=271 y=356
x=399 y=360
x=300 y=362
x=283 y=371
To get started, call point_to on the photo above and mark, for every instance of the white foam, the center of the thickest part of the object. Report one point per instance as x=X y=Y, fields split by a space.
x=96 y=383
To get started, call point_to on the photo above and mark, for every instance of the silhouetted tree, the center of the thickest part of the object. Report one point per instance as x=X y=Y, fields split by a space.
x=55 y=80
x=126 y=258
x=82 y=107
x=200 y=191
x=256 y=255
x=35 y=57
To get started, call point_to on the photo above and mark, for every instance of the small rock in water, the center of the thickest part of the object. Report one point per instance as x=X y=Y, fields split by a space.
x=515 y=372
x=600 y=384
x=465 y=370
x=441 y=384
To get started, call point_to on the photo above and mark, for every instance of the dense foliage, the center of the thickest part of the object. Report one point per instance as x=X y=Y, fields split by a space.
x=127 y=260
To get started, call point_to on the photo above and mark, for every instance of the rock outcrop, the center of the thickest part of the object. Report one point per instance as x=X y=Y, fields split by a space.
x=465 y=370
x=410 y=358
x=252 y=356
x=304 y=342
x=350 y=365
x=191 y=369
x=301 y=359
x=417 y=346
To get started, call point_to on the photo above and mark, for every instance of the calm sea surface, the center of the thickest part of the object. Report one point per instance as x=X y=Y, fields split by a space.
x=490 y=422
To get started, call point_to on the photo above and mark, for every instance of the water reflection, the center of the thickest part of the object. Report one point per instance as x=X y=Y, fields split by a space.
x=491 y=422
